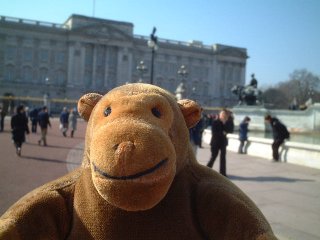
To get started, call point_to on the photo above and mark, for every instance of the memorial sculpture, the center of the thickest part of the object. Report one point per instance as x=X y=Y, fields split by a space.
x=248 y=95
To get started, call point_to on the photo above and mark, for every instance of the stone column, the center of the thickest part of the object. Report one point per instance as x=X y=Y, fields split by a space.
x=71 y=63
x=94 y=65
x=106 y=68
x=82 y=65
x=75 y=69
x=124 y=66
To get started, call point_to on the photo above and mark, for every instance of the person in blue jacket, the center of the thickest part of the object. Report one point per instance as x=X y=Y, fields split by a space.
x=243 y=135
x=64 y=121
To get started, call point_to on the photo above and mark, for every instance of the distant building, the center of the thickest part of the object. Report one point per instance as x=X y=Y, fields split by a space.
x=87 y=54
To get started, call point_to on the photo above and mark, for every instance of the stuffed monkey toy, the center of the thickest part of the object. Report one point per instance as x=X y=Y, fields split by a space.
x=139 y=179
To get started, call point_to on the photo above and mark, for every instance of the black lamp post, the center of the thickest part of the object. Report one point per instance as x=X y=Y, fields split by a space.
x=152 y=43
x=142 y=69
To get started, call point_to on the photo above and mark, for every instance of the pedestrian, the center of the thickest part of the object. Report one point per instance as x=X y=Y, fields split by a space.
x=196 y=133
x=243 y=135
x=1 y=119
x=3 y=114
x=44 y=122
x=200 y=128
x=220 y=127
x=193 y=141
x=279 y=132
x=73 y=121
x=34 y=119
x=64 y=121
x=19 y=127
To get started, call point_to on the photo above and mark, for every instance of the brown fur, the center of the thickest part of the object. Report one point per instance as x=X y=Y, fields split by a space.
x=139 y=180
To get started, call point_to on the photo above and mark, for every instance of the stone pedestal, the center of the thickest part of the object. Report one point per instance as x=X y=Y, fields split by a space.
x=296 y=121
x=256 y=113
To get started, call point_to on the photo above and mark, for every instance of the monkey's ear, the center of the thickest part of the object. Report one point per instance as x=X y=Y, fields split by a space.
x=86 y=103
x=191 y=111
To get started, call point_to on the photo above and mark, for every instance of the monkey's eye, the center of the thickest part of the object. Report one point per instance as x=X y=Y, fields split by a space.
x=107 y=112
x=156 y=112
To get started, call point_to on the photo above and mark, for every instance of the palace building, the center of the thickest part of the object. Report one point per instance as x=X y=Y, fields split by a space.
x=85 y=54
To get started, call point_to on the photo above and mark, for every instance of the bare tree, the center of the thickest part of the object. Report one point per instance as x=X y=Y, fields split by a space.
x=274 y=98
x=301 y=87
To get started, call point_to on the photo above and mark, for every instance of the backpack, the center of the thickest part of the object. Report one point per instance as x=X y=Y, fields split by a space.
x=284 y=131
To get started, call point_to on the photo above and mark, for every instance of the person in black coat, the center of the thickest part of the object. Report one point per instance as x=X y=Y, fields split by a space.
x=19 y=126
x=34 y=119
x=44 y=122
x=220 y=127
x=280 y=133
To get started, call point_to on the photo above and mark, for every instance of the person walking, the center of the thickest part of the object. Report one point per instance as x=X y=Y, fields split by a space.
x=33 y=115
x=44 y=122
x=19 y=126
x=220 y=127
x=73 y=121
x=64 y=121
x=243 y=135
x=3 y=113
x=280 y=133
x=196 y=133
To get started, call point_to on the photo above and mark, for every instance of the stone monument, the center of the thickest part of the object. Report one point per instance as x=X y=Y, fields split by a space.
x=248 y=95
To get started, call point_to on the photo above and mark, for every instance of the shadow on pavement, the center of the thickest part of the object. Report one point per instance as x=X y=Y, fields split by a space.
x=53 y=146
x=49 y=160
x=268 y=179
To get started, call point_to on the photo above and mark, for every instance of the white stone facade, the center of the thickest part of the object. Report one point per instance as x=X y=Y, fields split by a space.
x=88 y=54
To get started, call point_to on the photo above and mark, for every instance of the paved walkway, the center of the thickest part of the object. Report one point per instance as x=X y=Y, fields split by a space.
x=288 y=195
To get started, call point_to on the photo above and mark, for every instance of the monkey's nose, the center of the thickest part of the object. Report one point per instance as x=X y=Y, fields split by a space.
x=124 y=150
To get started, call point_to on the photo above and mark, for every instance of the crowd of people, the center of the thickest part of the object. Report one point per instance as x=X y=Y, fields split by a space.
x=68 y=119
x=39 y=117
x=222 y=124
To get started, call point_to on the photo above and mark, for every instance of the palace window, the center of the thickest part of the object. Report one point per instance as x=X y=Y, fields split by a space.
x=43 y=75
x=9 y=73
x=87 y=79
x=60 y=57
x=27 y=74
x=11 y=53
x=27 y=54
x=100 y=57
x=89 y=56
x=61 y=77
x=44 y=55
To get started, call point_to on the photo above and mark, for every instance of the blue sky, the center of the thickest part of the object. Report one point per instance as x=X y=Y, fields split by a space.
x=280 y=35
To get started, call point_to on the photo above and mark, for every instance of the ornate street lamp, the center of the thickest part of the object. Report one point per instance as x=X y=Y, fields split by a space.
x=181 y=91
x=152 y=43
x=142 y=69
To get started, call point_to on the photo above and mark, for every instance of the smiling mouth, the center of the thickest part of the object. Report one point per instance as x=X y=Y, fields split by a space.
x=133 y=176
